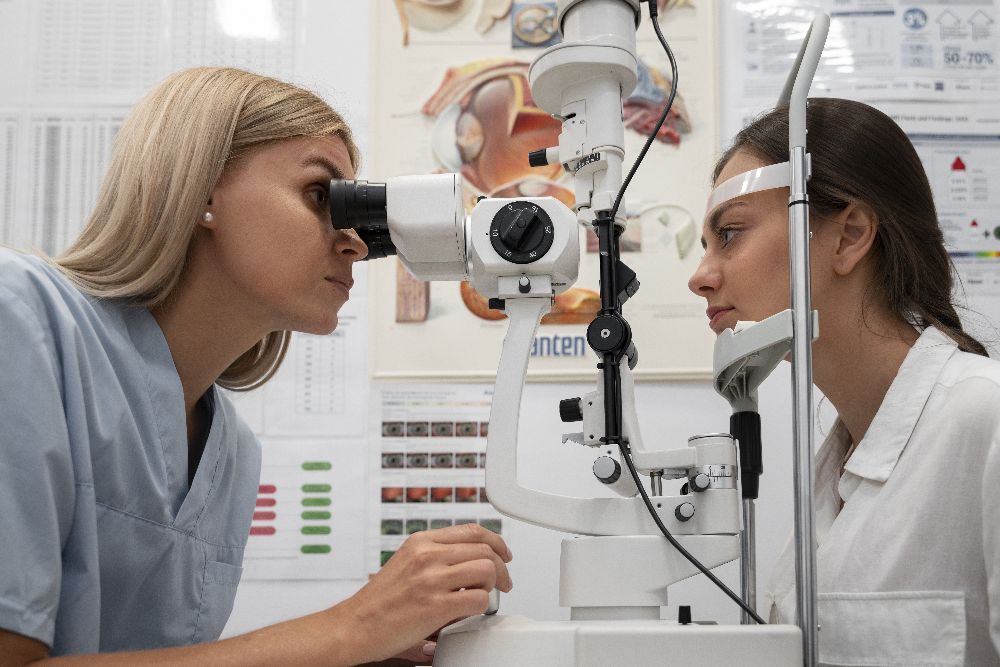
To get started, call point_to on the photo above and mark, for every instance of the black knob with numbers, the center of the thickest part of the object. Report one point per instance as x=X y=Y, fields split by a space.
x=521 y=232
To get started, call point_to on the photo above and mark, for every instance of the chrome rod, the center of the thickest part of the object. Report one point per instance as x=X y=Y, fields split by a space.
x=656 y=482
x=748 y=559
x=802 y=410
x=802 y=335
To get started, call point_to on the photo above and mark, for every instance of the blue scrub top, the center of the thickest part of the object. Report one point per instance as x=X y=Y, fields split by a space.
x=103 y=547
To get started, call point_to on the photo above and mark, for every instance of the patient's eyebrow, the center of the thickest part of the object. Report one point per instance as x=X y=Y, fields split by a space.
x=319 y=160
x=714 y=220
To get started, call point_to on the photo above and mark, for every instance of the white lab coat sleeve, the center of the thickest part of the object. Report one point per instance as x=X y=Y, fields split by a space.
x=37 y=485
x=991 y=535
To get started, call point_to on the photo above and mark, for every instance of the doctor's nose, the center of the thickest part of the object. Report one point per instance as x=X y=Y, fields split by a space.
x=350 y=245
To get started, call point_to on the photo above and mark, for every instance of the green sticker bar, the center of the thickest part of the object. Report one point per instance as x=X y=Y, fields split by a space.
x=316 y=502
x=317 y=465
x=315 y=548
x=315 y=515
x=316 y=488
x=315 y=530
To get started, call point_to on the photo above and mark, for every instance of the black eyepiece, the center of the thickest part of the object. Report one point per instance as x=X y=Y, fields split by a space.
x=360 y=205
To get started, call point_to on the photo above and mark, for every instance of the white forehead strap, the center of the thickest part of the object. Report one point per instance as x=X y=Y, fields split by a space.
x=755 y=180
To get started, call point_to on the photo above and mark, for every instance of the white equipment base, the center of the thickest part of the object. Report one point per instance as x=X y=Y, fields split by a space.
x=503 y=641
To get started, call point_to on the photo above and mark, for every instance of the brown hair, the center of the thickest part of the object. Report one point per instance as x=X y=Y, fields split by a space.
x=860 y=155
x=167 y=158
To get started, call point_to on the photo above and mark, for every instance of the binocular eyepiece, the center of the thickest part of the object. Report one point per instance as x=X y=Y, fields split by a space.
x=360 y=205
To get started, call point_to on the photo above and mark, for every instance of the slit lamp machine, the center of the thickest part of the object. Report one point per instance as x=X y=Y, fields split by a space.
x=520 y=253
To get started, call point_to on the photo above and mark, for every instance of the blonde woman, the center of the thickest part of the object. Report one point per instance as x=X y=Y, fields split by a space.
x=128 y=481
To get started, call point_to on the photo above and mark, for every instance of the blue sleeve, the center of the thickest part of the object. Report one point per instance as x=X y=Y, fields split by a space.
x=37 y=492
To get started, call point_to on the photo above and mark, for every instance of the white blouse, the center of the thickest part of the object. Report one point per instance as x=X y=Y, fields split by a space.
x=909 y=569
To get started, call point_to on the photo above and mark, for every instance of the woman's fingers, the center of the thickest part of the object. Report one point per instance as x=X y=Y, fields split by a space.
x=461 y=553
x=421 y=653
x=469 y=602
x=471 y=532
x=480 y=574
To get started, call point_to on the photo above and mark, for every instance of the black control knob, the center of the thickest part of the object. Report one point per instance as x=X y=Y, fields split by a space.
x=700 y=482
x=609 y=333
x=570 y=410
x=684 y=511
x=607 y=470
x=521 y=232
x=538 y=158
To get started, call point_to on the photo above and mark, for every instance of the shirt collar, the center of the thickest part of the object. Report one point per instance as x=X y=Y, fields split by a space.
x=877 y=453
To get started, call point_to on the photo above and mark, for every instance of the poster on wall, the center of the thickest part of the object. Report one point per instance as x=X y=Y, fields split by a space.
x=959 y=146
x=80 y=67
x=428 y=465
x=932 y=67
x=308 y=515
x=451 y=94
x=877 y=50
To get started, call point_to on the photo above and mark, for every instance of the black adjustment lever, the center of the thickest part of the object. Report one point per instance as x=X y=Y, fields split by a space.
x=745 y=427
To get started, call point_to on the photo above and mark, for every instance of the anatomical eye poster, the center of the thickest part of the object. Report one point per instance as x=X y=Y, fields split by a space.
x=452 y=94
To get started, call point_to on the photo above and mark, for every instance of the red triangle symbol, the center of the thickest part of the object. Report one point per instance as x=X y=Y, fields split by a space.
x=974 y=224
x=958 y=165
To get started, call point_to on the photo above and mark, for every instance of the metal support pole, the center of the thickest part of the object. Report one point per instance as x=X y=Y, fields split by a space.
x=748 y=560
x=802 y=405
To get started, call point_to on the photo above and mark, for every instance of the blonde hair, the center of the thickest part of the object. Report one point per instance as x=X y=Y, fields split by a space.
x=166 y=160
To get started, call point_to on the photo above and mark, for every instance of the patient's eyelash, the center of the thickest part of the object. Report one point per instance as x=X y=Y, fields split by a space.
x=726 y=233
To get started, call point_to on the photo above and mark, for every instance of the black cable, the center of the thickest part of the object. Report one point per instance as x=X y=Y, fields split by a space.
x=653 y=13
x=677 y=545
x=622 y=446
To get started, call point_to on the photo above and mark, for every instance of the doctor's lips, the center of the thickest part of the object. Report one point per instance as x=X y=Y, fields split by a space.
x=716 y=313
x=346 y=283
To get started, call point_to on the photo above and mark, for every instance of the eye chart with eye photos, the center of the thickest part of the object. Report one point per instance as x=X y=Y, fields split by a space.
x=429 y=455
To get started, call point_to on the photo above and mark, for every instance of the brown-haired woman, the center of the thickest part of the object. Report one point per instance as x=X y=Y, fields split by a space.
x=907 y=492
x=127 y=481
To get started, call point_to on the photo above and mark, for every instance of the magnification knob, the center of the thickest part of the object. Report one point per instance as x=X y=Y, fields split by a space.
x=684 y=511
x=521 y=232
x=517 y=229
x=700 y=482
x=607 y=469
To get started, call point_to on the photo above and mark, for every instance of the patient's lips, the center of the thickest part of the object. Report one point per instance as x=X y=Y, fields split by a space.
x=716 y=314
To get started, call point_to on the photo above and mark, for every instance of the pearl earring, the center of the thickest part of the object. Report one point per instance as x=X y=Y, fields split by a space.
x=208 y=217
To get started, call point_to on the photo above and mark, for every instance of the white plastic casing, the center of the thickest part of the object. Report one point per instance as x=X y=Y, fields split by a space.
x=583 y=80
x=427 y=225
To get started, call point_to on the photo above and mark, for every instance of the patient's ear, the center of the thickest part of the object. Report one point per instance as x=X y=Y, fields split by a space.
x=857 y=225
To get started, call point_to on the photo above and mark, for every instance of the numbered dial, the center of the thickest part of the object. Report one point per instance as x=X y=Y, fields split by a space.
x=521 y=232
